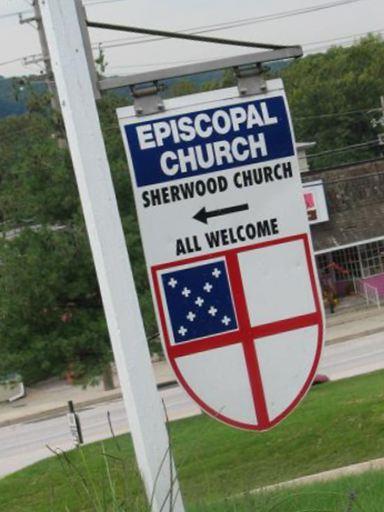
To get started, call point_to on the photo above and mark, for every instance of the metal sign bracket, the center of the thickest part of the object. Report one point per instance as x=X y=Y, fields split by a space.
x=250 y=79
x=147 y=99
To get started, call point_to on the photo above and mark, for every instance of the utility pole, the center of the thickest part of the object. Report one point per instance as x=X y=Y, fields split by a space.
x=49 y=79
x=48 y=75
x=77 y=99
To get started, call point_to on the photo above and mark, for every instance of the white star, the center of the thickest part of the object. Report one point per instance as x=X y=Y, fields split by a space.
x=186 y=292
x=216 y=272
x=207 y=287
x=172 y=282
x=182 y=331
x=212 y=311
x=226 y=320
x=199 y=301
x=191 y=316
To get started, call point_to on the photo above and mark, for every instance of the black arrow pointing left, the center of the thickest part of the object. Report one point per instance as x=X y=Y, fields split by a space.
x=203 y=215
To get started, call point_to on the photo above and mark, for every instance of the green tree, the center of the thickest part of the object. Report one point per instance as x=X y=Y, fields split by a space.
x=322 y=87
x=50 y=308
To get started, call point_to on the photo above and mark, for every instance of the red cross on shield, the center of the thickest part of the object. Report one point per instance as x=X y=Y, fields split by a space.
x=254 y=375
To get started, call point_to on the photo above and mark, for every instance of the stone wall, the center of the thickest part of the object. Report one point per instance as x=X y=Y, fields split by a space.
x=355 y=199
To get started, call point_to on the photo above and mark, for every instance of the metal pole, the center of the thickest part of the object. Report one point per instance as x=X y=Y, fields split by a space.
x=186 y=37
x=144 y=408
x=75 y=425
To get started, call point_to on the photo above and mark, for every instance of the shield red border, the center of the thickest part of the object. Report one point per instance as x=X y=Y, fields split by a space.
x=250 y=333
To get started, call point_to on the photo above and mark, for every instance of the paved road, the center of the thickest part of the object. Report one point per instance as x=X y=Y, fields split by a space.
x=25 y=443
x=356 y=357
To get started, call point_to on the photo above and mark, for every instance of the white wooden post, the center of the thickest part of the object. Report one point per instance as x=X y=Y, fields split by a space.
x=142 y=401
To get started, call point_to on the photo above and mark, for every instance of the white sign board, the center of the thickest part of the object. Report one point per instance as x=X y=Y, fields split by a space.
x=315 y=202
x=226 y=241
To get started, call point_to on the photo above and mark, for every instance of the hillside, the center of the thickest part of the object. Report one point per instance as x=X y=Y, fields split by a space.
x=13 y=97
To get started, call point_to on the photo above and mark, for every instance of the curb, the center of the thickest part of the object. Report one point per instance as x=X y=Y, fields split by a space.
x=350 y=337
x=63 y=409
x=325 y=476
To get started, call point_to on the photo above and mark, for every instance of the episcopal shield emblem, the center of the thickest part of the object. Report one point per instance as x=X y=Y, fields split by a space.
x=236 y=310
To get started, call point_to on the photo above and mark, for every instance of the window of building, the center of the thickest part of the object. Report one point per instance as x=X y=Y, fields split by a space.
x=346 y=264
x=323 y=267
x=372 y=258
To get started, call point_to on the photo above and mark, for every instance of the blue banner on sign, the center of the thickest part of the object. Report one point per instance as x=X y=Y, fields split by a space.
x=210 y=140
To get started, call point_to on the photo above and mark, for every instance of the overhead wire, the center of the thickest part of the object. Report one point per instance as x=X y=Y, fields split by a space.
x=15 y=13
x=134 y=41
x=26 y=129
x=224 y=25
x=12 y=61
x=149 y=64
x=234 y=23
x=109 y=44
x=338 y=114
x=363 y=145
x=304 y=45
x=285 y=13
x=33 y=56
x=98 y=2
x=114 y=127
x=190 y=61
x=341 y=38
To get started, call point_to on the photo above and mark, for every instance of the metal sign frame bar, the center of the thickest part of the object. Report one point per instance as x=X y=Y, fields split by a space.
x=201 y=67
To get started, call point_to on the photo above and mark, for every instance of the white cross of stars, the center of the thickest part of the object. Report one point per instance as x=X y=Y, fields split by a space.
x=216 y=272
x=182 y=331
x=172 y=282
x=186 y=292
x=199 y=301
x=208 y=287
x=212 y=311
x=191 y=316
x=226 y=320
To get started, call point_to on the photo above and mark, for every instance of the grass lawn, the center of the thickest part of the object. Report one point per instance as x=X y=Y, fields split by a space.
x=361 y=493
x=339 y=423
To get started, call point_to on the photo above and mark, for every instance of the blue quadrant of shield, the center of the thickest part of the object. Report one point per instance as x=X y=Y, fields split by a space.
x=199 y=301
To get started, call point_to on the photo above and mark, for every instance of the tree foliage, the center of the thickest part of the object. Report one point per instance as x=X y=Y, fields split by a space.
x=50 y=307
x=325 y=90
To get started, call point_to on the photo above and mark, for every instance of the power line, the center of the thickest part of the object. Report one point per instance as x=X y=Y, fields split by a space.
x=12 y=61
x=341 y=38
x=113 y=126
x=237 y=23
x=338 y=114
x=224 y=25
x=149 y=64
x=22 y=59
x=98 y=2
x=133 y=41
x=363 y=145
x=15 y=13
x=344 y=44
x=190 y=61
x=117 y=43
x=154 y=64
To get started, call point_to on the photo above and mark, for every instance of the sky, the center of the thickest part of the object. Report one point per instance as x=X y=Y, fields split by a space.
x=314 y=30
